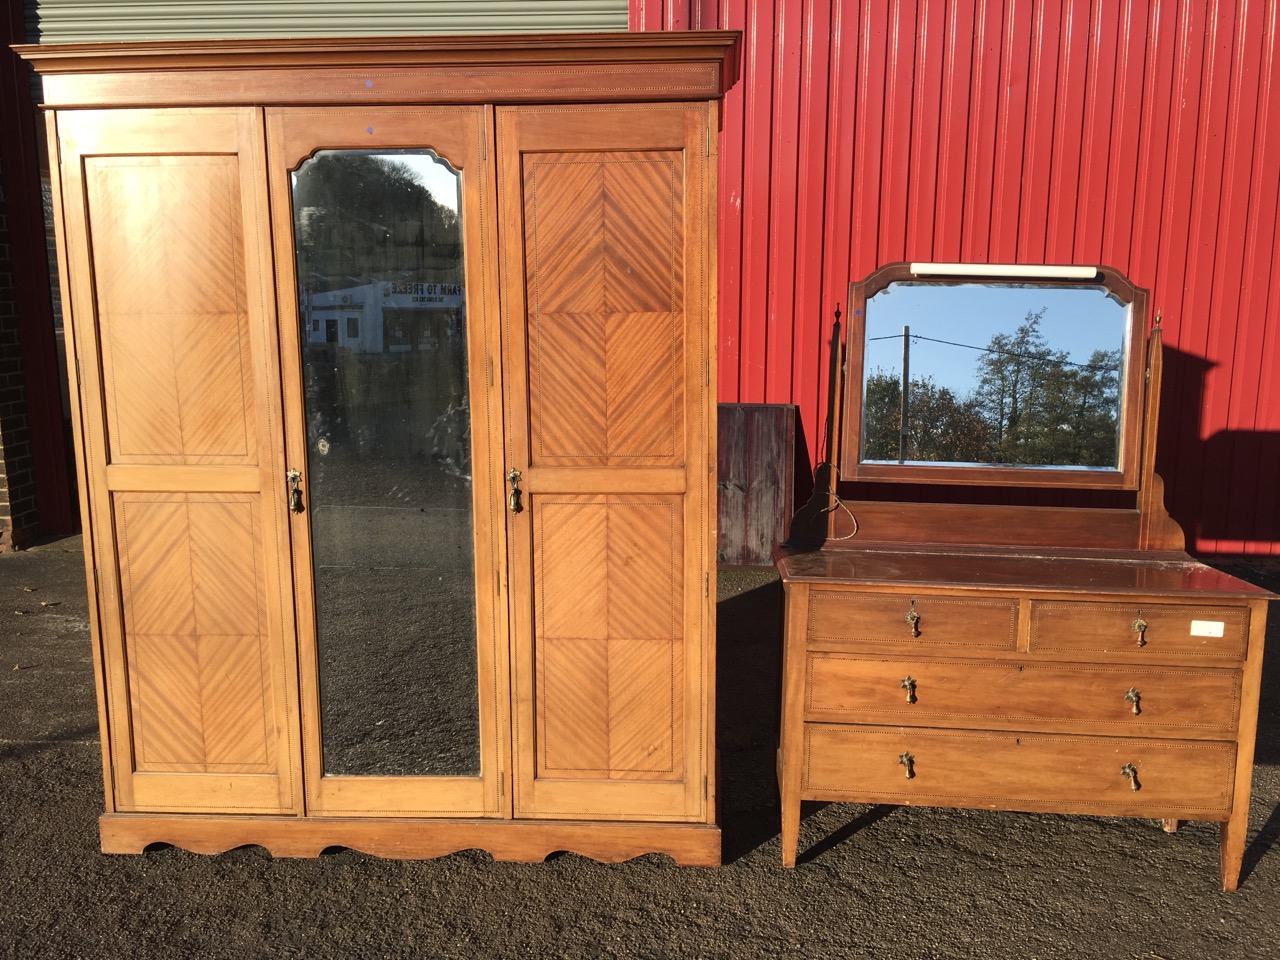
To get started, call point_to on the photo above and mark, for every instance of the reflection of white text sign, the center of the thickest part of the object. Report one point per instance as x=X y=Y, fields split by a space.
x=416 y=294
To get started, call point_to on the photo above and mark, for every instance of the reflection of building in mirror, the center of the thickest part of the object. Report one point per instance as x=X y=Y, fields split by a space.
x=986 y=373
x=385 y=316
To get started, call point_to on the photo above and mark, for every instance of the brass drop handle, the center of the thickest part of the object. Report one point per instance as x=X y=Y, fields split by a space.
x=1134 y=697
x=294 y=479
x=1131 y=774
x=908 y=763
x=513 y=499
x=1140 y=628
x=909 y=684
x=913 y=620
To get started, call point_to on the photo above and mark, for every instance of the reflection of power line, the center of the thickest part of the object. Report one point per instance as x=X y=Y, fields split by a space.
x=1004 y=353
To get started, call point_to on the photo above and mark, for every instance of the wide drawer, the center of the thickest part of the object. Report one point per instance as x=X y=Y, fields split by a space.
x=928 y=621
x=1007 y=771
x=1150 y=701
x=1139 y=631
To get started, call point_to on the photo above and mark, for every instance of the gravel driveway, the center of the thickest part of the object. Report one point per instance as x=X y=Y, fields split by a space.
x=873 y=882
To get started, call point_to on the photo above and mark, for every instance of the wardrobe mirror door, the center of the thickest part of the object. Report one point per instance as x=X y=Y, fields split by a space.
x=384 y=364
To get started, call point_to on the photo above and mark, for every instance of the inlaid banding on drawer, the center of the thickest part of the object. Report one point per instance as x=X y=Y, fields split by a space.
x=1139 y=631
x=1173 y=702
x=875 y=619
x=1019 y=771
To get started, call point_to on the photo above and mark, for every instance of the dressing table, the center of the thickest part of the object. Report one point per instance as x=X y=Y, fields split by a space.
x=1002 y=618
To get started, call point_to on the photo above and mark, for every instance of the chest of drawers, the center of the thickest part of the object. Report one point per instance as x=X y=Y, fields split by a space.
x=1088 y=684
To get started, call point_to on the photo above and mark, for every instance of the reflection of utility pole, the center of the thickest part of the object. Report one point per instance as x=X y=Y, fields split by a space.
x=906 y=381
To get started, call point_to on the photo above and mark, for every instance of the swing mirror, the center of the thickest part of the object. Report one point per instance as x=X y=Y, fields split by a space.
x=994 y=374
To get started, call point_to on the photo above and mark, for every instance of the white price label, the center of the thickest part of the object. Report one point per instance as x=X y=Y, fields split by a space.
x=1207 y=628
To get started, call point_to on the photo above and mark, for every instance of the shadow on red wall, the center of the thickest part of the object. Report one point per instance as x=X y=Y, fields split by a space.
x=1214 y=485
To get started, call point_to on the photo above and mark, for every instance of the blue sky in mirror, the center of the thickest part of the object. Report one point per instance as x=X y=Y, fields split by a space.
x=436 y=175
x=952 y=325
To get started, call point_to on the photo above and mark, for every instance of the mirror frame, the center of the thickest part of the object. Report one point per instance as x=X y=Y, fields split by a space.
x=1126 y=475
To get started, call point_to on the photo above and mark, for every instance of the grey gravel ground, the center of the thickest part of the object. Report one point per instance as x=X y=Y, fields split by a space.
x=875 y=882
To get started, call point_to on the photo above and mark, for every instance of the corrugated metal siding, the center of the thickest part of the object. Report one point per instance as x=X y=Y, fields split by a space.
x=65 y=21
x=1143 y=134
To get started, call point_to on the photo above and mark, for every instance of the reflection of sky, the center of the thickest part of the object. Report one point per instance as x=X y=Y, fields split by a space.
x=1078 y=320
x=440 y=179
x=436 y=175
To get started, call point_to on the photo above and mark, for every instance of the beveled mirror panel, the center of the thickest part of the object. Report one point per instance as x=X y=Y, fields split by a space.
x=384 y=365
x=1016 y=378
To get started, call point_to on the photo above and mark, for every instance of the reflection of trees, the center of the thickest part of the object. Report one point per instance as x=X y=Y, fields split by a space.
x=1032 y=405
x=940 y=426
x=360 y=217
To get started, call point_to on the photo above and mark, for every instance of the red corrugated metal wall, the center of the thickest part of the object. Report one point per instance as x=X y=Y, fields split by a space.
x=1142 y=134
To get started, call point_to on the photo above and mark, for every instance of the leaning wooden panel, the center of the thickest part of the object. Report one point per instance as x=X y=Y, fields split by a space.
x=191 y=589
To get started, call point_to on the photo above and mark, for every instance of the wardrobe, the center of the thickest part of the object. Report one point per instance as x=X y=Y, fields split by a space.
x=394 y=393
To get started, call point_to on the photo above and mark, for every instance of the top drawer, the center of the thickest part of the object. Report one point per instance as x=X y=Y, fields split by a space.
x=1139 y=631
x=931 y=621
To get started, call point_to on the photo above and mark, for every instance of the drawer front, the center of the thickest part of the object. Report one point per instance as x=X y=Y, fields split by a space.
x=1139 y=631
x=1149 y=701
x=906 y=621
x=1188 y=779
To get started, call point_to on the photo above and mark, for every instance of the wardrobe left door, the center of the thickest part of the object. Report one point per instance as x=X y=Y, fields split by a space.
x=168 y=259
x=383 y=219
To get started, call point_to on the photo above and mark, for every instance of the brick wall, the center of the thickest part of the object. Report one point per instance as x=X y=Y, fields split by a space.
x=18 y=517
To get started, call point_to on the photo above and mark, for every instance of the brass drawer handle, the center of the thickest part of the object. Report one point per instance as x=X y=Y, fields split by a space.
x=908 y=762
x=1140 y=628
x=909 y=684
x=1134 y=697
x=1131 y=774
x=913 y=620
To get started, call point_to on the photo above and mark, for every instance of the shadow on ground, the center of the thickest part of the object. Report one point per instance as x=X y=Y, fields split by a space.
x=872 y=882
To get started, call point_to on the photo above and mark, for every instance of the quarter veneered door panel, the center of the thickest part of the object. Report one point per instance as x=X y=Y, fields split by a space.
x=199 y=676
x=180 y=393
x=610 y=651
x=605 y=240
x=171 y=308
x=605 y=213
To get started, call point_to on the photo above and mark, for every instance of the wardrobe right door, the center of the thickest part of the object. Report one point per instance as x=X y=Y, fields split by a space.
x=607 y=225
